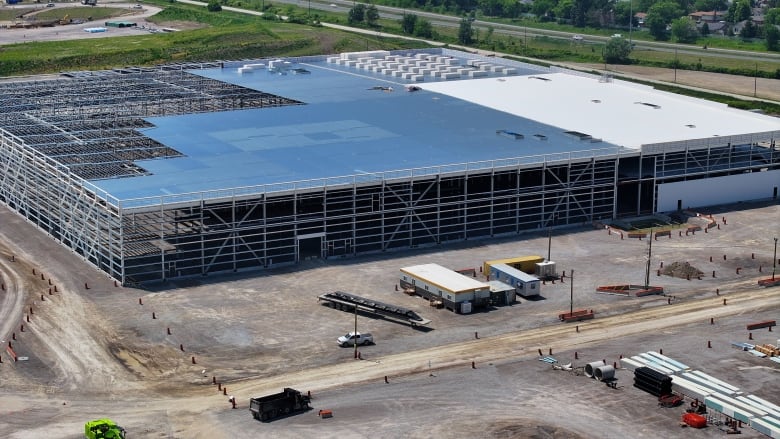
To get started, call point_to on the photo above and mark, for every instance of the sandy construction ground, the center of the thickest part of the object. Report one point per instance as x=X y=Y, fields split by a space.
x=763 y=88
x=148 y=358
x=77 y=31
x=93 y=349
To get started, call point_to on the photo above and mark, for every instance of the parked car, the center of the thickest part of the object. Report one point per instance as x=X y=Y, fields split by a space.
x=351 y=338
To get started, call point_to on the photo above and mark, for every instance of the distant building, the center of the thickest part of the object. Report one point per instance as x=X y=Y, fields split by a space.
x=707 y=17
x=640 y=18
x=717 y=28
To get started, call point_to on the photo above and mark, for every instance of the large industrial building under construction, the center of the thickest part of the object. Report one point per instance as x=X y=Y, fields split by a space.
x=187 y=170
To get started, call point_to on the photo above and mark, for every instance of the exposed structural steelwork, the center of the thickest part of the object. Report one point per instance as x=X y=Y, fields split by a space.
x=62 y=140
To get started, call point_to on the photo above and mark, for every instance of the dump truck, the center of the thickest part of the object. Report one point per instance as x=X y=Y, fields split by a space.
x=103 y=429
x=267 y=408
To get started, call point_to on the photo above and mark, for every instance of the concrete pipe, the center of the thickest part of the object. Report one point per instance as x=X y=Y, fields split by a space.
x=604 y=373
x=590 y=368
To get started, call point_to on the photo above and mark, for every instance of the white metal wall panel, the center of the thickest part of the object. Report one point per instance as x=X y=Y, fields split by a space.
x=717 y=190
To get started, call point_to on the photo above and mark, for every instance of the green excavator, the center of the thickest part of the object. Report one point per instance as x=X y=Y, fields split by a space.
x=103 y=429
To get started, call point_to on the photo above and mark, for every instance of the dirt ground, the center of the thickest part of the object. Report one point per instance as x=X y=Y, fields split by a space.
x=94 y=349
x=148 y=358
x=76 y=31
x=763 y=88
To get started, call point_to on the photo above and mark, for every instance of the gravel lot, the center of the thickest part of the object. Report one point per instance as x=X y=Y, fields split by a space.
x=147 y=358
x=106 y=351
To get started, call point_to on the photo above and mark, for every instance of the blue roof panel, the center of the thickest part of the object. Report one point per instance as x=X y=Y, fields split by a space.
x=345 y=126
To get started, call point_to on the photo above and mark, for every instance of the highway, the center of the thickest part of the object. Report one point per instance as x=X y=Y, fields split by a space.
x=523 y=32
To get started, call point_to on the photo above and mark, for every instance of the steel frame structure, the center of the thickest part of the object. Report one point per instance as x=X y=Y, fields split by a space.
x=53 y=142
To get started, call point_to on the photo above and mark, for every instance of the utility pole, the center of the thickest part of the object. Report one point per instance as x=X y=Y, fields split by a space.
x=649 y=255
x=675 y=64
x=755 y=81
x=525 y=40
x=571 y=293
x=354 y=340
x=549 y=241
x=630 y=20
x=774 y=261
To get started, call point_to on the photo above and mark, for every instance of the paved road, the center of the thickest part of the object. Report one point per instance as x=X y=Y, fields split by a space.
x=523 y=32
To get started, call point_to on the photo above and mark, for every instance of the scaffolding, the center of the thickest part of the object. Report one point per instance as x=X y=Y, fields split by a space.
x=90 y=122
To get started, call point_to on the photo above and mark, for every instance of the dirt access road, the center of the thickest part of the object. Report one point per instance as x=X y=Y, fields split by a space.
x=98 y=352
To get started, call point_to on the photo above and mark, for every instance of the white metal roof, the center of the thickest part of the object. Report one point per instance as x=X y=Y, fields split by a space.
x=514 y=272
x=444 y=278
x=617 y=112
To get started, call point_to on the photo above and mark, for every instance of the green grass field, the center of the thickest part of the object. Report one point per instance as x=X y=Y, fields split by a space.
x=227 y=35
x=14 y=14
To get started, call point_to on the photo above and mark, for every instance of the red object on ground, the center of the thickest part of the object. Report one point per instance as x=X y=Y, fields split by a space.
x=576 y=315
x=759 y=325
x=670 y=400
x=694 y=420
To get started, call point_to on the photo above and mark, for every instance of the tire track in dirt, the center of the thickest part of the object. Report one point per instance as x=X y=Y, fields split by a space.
x=515 y=344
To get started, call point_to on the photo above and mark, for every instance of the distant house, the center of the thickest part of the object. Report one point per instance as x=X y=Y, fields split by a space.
x=707 y=16
x=717 y=28
x=738 y=26
x=640 y=18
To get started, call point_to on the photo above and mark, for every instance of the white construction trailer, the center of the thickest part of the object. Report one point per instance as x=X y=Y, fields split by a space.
x=525 y=284
x=453 y=290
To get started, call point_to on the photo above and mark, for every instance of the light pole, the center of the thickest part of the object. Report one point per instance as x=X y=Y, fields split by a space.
x=549 y=235
x=630 y=20
x=774 y=261
x=755 y=81
x=571 y=294
x=649 y=256
x=675 y=64
x=354 y=340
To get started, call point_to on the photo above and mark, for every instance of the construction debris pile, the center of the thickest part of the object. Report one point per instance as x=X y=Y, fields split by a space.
x=683 y=270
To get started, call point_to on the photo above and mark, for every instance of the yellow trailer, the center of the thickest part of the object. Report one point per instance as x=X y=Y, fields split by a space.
x=523 y=263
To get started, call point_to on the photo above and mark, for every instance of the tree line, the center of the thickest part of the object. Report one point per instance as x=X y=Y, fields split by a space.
x=664 y=19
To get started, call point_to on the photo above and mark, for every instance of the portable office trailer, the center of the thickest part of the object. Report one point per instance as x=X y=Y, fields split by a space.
x=522 y=263
x=501 y=294
x=453 y=289
x=525 y=284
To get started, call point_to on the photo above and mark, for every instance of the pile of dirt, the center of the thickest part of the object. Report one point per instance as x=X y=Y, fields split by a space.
x=682 y=270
